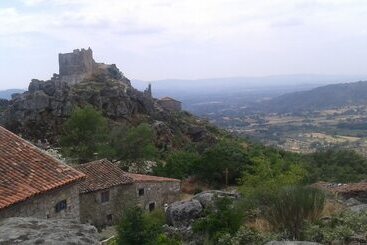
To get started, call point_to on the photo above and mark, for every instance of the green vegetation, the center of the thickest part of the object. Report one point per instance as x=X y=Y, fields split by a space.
x=340 y=227
x=137 y=227
x=225 y=218
x=336 y=166
x=85 y=135
x=292 y=206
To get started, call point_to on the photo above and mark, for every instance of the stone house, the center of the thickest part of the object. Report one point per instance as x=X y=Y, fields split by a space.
x=104 y=194
x=108 y=190
x=33 y=183
x=170 y=104
x=154 y=192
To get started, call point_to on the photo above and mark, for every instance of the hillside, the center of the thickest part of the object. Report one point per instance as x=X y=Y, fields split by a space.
x=40 y=112
x=325 y=97
x=6 y=94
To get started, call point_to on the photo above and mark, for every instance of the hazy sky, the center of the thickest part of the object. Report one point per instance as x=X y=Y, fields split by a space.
x=157 y=39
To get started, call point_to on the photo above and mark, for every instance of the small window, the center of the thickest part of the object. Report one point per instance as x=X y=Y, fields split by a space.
x=105 y=196
x=141 y=192
x=109 y=218
x=151 y=207
x=60 y=206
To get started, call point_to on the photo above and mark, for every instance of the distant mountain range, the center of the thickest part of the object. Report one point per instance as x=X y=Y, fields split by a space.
x=6 y=94
x=325 y=97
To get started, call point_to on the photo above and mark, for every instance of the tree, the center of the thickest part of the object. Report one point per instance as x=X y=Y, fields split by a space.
x=85 y=135
x=134 y=144
x=223 y=163
x=178 y=165
x=139 y=228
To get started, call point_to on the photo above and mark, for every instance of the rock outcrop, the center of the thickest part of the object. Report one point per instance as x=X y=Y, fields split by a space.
x=183 y=213
x=39 y=113
x=36 y=231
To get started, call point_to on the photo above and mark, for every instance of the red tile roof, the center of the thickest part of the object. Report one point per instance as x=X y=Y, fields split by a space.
x=169 y=99
x=26 y=171
x=342 y=188
x=102 y=174
x=150 y=178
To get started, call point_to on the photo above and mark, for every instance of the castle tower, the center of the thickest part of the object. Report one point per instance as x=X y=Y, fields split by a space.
x=77 y=65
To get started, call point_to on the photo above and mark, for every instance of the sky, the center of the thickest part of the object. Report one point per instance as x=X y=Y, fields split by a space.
x=185 y=39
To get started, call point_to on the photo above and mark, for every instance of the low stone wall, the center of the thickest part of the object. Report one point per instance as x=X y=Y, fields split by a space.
x=43 y=206
x=94 y=212
x=159 y=193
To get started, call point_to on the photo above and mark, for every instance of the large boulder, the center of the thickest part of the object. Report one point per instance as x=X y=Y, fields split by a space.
x=38 y=231
x=207 y=198
x=358 y=208
x=183 y=213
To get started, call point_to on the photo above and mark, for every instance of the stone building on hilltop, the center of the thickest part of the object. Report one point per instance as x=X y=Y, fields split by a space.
x=108 y=190
x=170 y=104
x=34 y=184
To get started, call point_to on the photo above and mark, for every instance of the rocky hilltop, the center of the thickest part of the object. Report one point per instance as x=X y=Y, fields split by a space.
x=39 y=113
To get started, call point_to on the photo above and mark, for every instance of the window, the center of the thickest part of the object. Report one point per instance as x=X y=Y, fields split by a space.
x=105 y=196
x=109 y=218
x=60 y=206
x=141 y=192
x=151 y=206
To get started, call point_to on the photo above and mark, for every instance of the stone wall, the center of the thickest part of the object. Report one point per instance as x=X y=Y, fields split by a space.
x=43 y=206
x=171 y=105
x=159 y=193
x=94 y=212
x=76 y=66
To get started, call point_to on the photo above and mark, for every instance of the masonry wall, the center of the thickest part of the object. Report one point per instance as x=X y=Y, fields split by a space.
x=94 y=212
x=159 y=193
x=43 y=205
x=171 y=105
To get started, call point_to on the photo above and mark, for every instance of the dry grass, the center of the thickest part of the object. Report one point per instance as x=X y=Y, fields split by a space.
x=261 y=225
x=332 y=207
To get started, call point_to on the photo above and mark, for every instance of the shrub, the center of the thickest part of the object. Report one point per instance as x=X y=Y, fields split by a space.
x=139 y=228
x=243 y=236
x=292 y=206
x=85 y=135
x=340 y=227
x=225 y=217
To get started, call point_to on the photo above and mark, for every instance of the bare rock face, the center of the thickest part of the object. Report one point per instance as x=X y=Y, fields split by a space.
x=37 y=231
x=183 y=213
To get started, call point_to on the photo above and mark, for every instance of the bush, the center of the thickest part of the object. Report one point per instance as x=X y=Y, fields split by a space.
x=292 y=206
x=225 y=217
x=341 y=227
x=139 y=228
x=244 y=235
x=223 y=163
x=179 y=165
x=85 y=135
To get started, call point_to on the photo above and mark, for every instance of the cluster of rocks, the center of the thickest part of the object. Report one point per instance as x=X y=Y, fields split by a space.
x=182 y=214
x=38 y=231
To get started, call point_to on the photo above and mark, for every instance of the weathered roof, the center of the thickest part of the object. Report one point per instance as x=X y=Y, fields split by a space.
x=26 y=171
x=102 y=174
x=342 y=188
x=150 y=178
x=169 y=99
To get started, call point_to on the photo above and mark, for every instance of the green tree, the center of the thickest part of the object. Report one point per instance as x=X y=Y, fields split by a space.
x=224 y=162
x=134 y=144
x=85 y=135
x=137 y=227
x=178 y=165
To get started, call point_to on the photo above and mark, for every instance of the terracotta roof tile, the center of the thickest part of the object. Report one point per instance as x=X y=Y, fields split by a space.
x=26 y=171
x=342 y=188
x=102 y=174
x=150 y=178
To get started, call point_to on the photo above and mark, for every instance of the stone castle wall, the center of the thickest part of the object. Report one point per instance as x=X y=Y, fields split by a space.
x=43 y=205
x=76 y=66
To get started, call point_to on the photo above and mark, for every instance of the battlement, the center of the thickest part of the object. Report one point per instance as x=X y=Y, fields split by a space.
x=77 y=62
